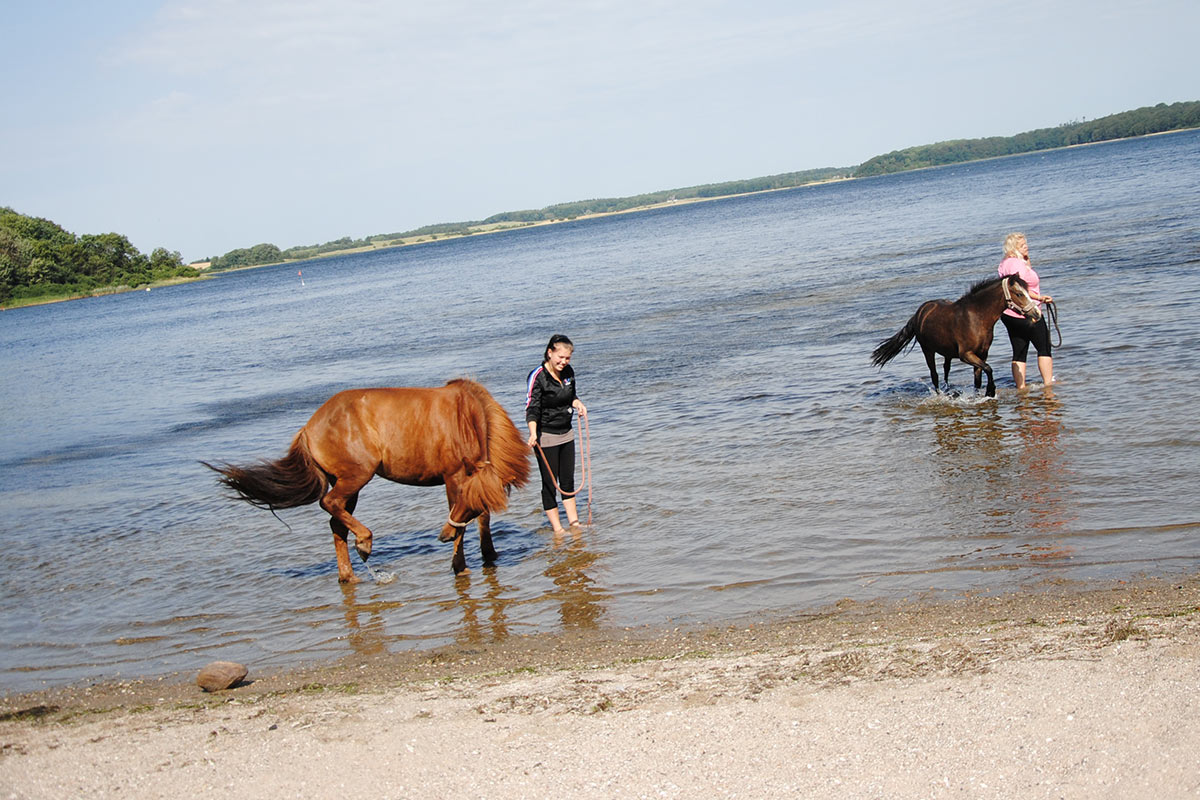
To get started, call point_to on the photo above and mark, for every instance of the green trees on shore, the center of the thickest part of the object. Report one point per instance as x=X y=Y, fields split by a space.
x=610 y=205
x=1151 y=119
x=248 y=257
x=39 y=260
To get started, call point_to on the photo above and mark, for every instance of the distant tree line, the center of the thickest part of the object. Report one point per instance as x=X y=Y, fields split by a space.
x=247 y=257
x=1151 y=119
x=40 y=260
x=270 y=254
x=1140 y=122
x=610 y=205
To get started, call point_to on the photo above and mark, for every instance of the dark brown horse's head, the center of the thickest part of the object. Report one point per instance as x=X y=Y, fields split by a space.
x=1016 y=296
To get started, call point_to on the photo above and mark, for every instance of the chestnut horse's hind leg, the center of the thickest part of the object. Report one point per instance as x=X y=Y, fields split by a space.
x=339 y=501
x=340 y=532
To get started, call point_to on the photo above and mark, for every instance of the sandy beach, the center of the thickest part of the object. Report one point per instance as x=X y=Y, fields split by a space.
x=1061 y=691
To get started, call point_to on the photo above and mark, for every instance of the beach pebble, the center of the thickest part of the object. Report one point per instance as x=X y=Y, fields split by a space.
x=221 y=675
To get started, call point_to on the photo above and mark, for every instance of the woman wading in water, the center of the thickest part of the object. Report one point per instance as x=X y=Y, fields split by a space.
x=550 y=402
x=1022 y=332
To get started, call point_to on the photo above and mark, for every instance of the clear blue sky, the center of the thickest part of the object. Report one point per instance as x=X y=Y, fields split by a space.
x=205 y=125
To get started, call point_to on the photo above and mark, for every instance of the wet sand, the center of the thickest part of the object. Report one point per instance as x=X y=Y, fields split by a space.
x=1060 y=691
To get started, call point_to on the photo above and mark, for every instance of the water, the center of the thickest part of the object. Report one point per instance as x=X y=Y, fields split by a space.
x=747 y=457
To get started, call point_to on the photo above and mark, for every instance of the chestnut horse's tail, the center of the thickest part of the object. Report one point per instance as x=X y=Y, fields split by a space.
x=496 y=457
x=890 y=348
x=294 y=480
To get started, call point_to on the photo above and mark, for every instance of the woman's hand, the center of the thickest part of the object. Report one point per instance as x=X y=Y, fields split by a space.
x=580 y=407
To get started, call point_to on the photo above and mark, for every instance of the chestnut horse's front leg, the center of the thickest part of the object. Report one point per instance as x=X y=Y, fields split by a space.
x=455 y=527
x=486 y=548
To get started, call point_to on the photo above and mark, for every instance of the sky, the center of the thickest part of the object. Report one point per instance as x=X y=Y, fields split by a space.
x=207 y=125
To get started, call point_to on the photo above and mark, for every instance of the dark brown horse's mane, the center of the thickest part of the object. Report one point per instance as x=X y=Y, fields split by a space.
x=988 y=283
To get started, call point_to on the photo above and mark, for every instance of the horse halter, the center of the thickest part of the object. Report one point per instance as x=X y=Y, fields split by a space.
x=1028 y=308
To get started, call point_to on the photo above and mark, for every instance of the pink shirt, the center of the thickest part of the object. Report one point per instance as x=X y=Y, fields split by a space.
x=1020 y=267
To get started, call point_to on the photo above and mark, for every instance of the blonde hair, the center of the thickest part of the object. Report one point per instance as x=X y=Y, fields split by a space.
x=1011 y=242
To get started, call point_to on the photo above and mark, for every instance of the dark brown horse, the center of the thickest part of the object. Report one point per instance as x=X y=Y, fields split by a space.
x=961 y=329
x=457 y=435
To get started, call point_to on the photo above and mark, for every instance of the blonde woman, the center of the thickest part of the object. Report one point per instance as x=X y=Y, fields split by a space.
x=1022 y=332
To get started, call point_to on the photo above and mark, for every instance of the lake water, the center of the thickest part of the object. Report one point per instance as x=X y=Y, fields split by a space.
x=747 y=457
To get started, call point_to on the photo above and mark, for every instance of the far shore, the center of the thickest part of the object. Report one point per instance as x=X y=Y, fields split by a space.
x=41 y=301
x=479 y=230
x=408 y=241
x=1074 y=690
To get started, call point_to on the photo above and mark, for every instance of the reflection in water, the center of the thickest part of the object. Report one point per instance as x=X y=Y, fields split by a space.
x=365 y=623
x=1011 y=467
x=581 y=601
x=1043 y=466
x=974 y=463
x=484 y=619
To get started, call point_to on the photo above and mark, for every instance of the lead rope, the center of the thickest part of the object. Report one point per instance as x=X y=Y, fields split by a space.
x=1052 y=312
x=585 y=449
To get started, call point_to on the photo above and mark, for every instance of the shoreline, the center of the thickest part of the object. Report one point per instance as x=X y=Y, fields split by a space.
x=941 y=615
x=1069 y=690
x=106 y=291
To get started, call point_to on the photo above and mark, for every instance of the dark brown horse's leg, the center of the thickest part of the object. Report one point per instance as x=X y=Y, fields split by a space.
x=979 y=364
x=946 y=370
x=340 y=532
x=931 y=360
x=485 y=539
x=338 y=502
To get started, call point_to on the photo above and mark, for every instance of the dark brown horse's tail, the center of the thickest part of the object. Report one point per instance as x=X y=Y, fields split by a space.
x=890 y=348
x=294 y=480
x=501 y=457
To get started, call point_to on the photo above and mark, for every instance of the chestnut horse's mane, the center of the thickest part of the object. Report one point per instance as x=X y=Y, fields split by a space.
x=501 y=446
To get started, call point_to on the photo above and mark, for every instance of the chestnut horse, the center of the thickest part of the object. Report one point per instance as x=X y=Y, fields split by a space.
x=961 y=329
x=457 y=435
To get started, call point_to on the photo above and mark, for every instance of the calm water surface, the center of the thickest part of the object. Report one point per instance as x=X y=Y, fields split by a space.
x=747 y=457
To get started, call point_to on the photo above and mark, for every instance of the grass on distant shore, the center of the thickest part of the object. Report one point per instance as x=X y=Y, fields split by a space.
x=40 y=300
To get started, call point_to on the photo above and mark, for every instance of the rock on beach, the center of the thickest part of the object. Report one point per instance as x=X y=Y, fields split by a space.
x=221 y=675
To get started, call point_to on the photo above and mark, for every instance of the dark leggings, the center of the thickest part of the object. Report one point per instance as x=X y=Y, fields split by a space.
x=562 y=463
x=1021 y=332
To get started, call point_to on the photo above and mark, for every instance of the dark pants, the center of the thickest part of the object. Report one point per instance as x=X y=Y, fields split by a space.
x=1021 y=332
x=562 y=465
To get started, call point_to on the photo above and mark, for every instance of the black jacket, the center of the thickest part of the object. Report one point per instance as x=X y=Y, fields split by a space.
x=548 y=402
